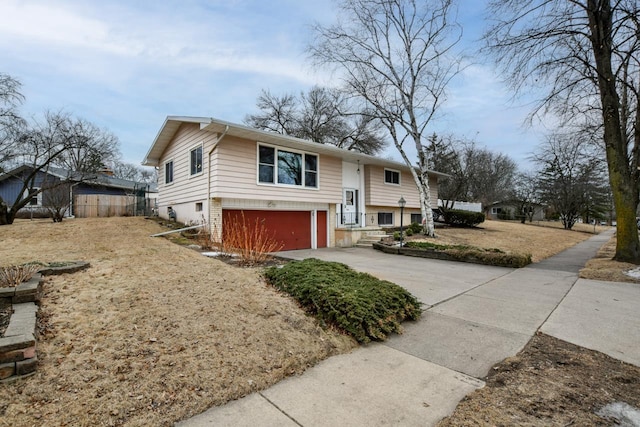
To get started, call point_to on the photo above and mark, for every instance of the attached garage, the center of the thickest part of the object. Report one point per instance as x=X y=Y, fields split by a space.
x=293 y=228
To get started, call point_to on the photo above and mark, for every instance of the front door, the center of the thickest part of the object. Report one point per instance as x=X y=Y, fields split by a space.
x=350 y=207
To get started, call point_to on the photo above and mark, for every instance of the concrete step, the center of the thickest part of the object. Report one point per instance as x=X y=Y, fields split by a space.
x=369 y=240
x=364 y=245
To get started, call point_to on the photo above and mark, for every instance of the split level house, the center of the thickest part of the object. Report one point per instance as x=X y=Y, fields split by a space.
x=308 y=195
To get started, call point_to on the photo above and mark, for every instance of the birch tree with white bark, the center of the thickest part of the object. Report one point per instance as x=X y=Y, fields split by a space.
x=397 y=56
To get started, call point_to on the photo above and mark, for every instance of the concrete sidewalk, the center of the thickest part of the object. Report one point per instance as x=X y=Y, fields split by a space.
x=475 y=317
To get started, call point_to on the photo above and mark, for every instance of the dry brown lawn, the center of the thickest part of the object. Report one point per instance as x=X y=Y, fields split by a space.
x=540 y=239
x=603 y=267
x=154 y=332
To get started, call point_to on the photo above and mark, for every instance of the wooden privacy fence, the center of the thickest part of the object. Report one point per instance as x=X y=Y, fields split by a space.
x=101 y=205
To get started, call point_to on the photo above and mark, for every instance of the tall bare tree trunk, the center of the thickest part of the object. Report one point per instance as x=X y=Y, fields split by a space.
x=622 y=179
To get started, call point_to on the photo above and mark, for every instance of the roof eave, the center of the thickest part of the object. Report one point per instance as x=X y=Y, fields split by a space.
x=172 y=123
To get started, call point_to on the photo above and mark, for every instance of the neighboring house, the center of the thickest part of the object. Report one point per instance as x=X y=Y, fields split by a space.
x=309 y=195
x=511 y=210
x=94 y=194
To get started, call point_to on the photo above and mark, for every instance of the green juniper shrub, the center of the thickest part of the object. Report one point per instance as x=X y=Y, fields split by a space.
x=396 y=235
x=416 y=228
x=460 y=218
x=408 y=232
x=365 y=307
x=491 y=256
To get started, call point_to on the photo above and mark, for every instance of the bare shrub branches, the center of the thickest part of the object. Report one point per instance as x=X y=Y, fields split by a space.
x=251 y=241
x=14 y=275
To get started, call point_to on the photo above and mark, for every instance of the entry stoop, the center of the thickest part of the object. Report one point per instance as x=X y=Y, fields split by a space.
x=370 y=238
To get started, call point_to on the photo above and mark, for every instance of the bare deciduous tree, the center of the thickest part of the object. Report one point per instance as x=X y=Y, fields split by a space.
x=10 y=121
x=134 y=173
x=321 y=115
x=491 y=175
x=587 y=54
x=396 y=56
x=476 y=174
x=41 y=146
x=57 y=199
x=571 y=177
x=526 y=195
x=90 y=148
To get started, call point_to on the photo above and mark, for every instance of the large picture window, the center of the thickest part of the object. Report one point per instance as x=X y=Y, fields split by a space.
x=168 y=172
x=196 y=160
x=284 y=167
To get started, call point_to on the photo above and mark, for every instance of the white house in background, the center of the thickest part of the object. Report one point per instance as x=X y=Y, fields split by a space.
x=309 y=195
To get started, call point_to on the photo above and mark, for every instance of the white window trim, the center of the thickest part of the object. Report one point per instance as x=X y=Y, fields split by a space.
x=384 y=177
x=275 y=167
x=195 y=147
x=173 y=172
x=38 y=197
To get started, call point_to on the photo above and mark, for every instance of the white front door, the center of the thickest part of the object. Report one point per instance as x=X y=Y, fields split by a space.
x=350 y=207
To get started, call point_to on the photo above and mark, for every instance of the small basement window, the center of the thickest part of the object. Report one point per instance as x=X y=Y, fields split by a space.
x=385 y=218
x=198 y=206
x=416 y=217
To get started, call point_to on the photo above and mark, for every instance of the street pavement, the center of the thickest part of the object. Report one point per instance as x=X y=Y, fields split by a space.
x=474 y=316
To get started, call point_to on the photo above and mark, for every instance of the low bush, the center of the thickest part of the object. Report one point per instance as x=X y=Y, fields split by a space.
x=365 y=307
x=251 y=241
x=491 y=256
x=14 y=275
x=408 y=232
x=460 y=218
x=415 y=228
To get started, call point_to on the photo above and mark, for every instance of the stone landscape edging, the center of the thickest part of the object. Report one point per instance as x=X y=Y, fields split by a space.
x=18 y=356
x=430 y=253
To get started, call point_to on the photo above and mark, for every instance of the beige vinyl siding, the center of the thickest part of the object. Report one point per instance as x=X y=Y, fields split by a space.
x=378 y=193
x=372 y=215
x=184 y=188
x=235 y=176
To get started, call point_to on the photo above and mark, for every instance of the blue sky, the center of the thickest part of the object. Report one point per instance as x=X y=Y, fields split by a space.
x=127 y=64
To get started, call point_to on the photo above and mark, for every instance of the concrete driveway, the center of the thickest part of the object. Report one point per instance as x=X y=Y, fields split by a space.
x=475 y=316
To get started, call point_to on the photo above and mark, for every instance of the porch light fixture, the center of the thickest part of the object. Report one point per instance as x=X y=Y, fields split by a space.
x=402 y=203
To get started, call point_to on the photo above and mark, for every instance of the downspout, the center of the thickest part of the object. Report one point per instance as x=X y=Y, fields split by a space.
x=226 y=129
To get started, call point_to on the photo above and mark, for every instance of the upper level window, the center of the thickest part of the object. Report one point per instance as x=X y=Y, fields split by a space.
x=168 y=172
x=196 y=160
x=391 y=177
x=276 y=166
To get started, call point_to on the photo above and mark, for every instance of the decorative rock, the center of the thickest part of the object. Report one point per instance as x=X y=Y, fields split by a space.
x=72 y=267
x=17 y=342
x=13 y=356
x=7 y=370
x=26 y=366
